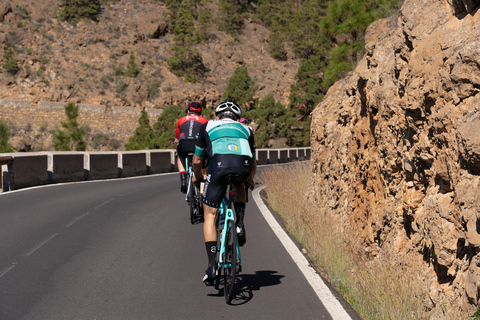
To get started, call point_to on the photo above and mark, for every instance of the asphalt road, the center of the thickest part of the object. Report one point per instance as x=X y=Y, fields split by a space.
x=125 y=249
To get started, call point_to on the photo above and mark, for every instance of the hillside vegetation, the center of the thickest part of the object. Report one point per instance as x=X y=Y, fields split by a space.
x=325 y=38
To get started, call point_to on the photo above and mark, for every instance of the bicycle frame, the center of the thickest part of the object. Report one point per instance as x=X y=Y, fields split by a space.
x=227 y=217
x=189 y=170
x=193 y=192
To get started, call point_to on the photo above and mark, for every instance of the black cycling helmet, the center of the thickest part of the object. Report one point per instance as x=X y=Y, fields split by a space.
x=228 y=107
x=194 y=107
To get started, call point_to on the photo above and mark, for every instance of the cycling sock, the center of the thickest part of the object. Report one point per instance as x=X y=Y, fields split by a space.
x=211 y=247
x=240 y=211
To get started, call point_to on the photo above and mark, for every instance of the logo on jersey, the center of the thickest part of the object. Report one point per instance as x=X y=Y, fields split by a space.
x=232 y=147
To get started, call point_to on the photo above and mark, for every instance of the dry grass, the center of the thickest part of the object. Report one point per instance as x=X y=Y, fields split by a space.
x=386 y=287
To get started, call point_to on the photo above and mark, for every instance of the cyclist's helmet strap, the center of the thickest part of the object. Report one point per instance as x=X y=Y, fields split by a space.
x=195 y=107
x=228 y=107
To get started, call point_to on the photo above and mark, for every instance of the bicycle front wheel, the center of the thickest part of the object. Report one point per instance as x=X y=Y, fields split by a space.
x=192 y=201
x=230 y=261
x=217 y=254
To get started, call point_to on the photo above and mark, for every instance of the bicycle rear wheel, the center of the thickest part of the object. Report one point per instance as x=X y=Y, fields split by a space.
x=230 y=261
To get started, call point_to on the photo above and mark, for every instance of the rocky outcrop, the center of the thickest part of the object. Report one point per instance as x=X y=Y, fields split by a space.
x=396 y=145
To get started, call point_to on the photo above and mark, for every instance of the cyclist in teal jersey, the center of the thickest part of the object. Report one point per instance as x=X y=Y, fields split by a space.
x=230 y=146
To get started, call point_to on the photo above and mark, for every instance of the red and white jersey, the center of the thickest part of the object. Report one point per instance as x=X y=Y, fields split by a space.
x=189 y=126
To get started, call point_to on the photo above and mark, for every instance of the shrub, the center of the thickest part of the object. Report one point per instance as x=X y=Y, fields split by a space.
x=4 y=137
x=11 y=64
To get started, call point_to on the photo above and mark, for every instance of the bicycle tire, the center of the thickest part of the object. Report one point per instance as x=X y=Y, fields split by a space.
x=230 y=262
x=192 y=201
x=217 y=254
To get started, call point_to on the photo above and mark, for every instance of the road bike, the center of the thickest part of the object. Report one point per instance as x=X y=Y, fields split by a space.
x=193 y=197
x=228 y=251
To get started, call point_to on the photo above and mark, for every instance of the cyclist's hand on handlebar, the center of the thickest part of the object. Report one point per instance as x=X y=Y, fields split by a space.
x=250 y=184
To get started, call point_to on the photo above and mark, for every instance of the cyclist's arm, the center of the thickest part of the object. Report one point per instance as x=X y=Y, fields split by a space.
x=251 y=142
x=200 y=152
x=249 y=180
x=197 y=168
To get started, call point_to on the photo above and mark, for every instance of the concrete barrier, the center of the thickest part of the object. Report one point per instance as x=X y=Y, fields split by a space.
x=161 y=161
x=134 y=163
x=272 y=156
x=301 y=154
x=102 y=166
x=283 y=155
x=26 y=170
x=6 y=165
x=21 y=170
x=292 y=155
x=262 y=156
x=66 y=167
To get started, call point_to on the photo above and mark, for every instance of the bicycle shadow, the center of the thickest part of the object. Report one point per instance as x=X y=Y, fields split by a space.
x=246 y=284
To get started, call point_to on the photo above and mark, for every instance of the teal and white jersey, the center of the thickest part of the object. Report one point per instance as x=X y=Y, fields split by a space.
x=225 y=136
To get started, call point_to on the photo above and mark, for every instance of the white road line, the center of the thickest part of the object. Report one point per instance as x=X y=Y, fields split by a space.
x=125 y=194
x=76 y=219
x=104 y=203
x=40 y=245
x=331 y=303
x=5 y=270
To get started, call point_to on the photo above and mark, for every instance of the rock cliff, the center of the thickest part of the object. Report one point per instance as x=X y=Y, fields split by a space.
x=396 y=145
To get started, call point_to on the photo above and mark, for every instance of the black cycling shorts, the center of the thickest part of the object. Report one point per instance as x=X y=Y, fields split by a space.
x=219 y=169
x=185 y=147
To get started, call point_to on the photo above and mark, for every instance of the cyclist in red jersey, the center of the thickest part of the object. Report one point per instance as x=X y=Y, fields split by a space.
x=186 y=135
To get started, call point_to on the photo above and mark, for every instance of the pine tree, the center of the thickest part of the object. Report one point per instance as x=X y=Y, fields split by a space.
x=186 y=62
x=230 y=16
x=276 y=46
x=132 y=69
x=241 y=87
x=204 y=22
x=307 y=92
x=142 y=138
x=164 y=128
x=74 y=10
x=73 y=135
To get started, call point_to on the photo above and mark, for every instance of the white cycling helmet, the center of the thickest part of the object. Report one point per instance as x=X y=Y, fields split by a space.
x=228 y=107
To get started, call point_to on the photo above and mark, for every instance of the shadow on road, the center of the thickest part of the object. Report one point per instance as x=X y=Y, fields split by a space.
x=247 y=283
